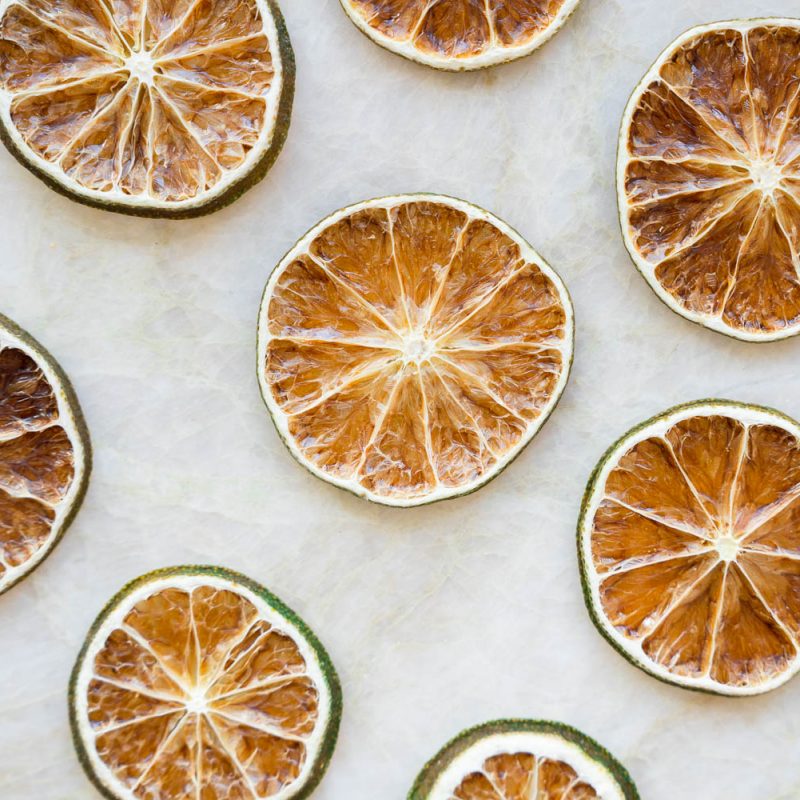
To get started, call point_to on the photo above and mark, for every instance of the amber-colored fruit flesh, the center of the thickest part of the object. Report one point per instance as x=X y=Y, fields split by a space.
x=523 y=776
x=458 y=29
x=157 y=102
x=713 y=157
x=195 y=695
x=412 y=348
x=697 y=549
x=37 y=459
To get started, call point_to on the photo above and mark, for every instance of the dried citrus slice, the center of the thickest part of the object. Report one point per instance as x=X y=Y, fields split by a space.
x=410 y=347
x=146 y=107
x=523 y=760
x=690 y=547
x=709 y=177
x=195 y=682
x=460 y=34
x=45 y=456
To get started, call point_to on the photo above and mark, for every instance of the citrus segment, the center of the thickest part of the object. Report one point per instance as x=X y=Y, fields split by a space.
x=409 y=347
x=195 y=682
x=44 y=454
x=460 y=34
x=705 y=185
x=523 y=760
x=167 y=108
x=688 y=540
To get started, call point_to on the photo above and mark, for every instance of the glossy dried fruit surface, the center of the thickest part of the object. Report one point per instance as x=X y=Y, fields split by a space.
x=159 y=107
x=709 y=177
x=197 y=683
x=523 y=760
x=690 y=547
x=410 y=347
x=460 y=34
x=44 y=454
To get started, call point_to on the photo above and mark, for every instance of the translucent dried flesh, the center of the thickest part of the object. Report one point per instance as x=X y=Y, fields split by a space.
x=697 y=547
x=523 y=776
x=195 y=695
x=459 y=29
x=412 y=348
x=37 y=459
x=160 y=101
x=712 y=203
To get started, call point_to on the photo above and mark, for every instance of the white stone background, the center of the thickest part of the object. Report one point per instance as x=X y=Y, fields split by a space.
x=440 y=617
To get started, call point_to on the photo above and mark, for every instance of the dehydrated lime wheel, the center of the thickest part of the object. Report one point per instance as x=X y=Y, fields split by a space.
x=460 y=34
x=410 y=347
x=196 y=682
x=523 y=760
x=689 y=542
x=45 y=456
x=709 y=177
x=163 y=108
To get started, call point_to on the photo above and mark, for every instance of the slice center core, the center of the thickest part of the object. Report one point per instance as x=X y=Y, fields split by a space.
x=141 y=66
x=766 y=175
x=727 y=547
x=196 y=703
x=417 y=349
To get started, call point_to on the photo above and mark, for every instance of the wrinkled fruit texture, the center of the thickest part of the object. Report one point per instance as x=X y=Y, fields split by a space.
x=523 y=776
x=412 y=349
x=158 y=100
x=696 y=543
x=194 y=695
x=37 y=462
x=459 y=29
x=712 y=180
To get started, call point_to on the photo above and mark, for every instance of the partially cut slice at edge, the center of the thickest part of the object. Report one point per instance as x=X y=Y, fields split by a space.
x=152 y=109
x=460 y=34
x=708 y=177
x=523 y=759
x=45 y=455
x=197 y=682
x=409 y=347
x=690 y=551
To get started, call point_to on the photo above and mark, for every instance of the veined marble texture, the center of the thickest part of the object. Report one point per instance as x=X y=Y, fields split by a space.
x=440 y=617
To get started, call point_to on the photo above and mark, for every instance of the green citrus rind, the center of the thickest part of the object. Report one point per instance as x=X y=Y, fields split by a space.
x=595 y=752
x=247 y=181
x=330 y=676
x=583 y=530
x=499 y=56
x=535 y=429
x=69 y=405
x=704 y=321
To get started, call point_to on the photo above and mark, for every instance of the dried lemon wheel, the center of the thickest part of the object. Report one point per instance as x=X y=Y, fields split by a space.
x=523 y=760
x=460 y=34
x=709 y=177
x=148 y=107
x=410 y=347
x=45 y=457
x=195 y=682
x=690 y=547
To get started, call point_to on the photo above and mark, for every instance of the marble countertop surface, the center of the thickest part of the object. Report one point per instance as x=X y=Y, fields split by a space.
x=438 y=617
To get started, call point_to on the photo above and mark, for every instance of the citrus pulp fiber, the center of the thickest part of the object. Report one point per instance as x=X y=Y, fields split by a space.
x=709 y=177
x=409 y=348
x=690 y=547
x=45 y=456
x=523 y=760
x=460 y=34
x=150 y=107
x=195 y=682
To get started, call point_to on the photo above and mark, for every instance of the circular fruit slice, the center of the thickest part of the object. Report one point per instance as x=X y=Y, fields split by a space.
x=523 y=760
x=460 y=34
x=410 y=347
x=709 y=177
x=146 y=107
x=689 y=541
x=45 y=456
x=195 y=682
